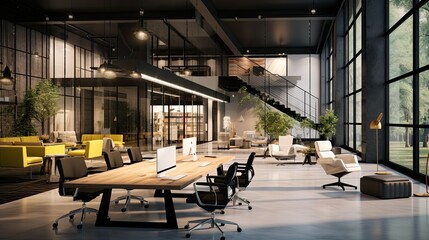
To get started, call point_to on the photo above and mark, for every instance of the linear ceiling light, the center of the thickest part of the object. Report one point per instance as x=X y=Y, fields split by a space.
x=164 y=83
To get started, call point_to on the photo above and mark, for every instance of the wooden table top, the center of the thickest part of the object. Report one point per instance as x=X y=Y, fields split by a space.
x=143 y=175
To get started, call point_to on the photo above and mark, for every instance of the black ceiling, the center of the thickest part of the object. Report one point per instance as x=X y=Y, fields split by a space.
x=212 y=26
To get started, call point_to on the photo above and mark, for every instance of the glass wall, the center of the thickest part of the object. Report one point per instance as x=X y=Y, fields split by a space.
x=26 y=53
x=408 y=83
x=353 y=67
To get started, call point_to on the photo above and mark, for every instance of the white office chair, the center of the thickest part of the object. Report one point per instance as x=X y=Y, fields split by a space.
x=336 y=165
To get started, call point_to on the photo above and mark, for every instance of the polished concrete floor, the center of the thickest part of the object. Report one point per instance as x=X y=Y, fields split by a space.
x=288 y=203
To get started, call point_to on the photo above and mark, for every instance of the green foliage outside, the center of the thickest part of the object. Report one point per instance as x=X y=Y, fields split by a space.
x=270 y=121
x=401 y=93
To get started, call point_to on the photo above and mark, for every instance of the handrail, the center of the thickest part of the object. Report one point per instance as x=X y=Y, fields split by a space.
x=293 y=96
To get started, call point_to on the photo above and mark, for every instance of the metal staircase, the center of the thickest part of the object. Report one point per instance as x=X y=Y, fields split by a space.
x=278 y=91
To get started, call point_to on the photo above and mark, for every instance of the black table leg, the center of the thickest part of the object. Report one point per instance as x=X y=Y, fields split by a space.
x=103 y=218
x=103 y=211
x=307 y=159
x=169 y=210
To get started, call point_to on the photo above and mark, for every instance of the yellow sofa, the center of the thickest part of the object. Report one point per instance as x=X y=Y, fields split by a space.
x=118 y=139
x=22 y=139
x=10 y=139
x=16 y=157
x=30 y=139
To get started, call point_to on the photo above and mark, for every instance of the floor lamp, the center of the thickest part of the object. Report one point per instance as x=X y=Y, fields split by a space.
x=424 y=194
x=376 y=124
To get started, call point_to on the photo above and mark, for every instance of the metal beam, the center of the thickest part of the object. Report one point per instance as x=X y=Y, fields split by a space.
x=208 y=11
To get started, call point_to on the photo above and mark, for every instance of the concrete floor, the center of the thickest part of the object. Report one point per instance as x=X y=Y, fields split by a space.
x=288 y=203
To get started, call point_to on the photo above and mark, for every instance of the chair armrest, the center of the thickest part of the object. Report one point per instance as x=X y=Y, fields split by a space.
x=209 y=184
x=209 y=177
x=347 y=158
x=332 y=161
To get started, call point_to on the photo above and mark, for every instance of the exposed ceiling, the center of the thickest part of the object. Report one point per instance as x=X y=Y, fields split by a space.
x=237 y=27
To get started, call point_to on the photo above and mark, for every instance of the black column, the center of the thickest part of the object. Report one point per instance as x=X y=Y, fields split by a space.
x=340 y=78
x=373 y=78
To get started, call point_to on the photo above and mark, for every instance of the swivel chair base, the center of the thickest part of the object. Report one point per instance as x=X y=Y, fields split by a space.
x=128 y=198
x=71 y=214
x=213 y=221
x=241 y=200
x=339 y=184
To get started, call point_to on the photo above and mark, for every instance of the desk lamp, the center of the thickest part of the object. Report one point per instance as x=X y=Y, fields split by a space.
x=376 y=124
x=424 y=194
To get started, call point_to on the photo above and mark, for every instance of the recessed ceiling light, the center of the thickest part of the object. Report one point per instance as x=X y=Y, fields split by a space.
x=313 y=11
x=70 y=16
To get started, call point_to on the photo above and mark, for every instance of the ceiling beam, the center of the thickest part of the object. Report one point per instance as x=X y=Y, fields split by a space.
x=278 y=51
x=208 y=12
x=300 y=14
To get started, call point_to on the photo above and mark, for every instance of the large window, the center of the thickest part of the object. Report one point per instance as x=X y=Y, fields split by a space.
x=353 y=71
x=408 y=83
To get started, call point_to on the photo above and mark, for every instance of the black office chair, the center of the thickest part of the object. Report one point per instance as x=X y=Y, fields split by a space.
x=215 y=196
x=135 y=154
x=245 y=174
x=114 y=160
x=73 y=168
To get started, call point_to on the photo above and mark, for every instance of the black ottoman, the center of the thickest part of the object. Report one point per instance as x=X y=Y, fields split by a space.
x=386 y=186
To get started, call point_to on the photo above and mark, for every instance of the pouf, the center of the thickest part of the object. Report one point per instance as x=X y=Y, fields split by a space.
x=386 y=186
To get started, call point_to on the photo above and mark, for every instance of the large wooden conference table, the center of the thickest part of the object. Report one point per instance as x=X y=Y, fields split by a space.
x=142 y=175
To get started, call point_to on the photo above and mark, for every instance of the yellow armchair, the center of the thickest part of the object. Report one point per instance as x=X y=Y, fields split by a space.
x=16 y=157
x=118 y=139
x=93 y=149
x=42 y=151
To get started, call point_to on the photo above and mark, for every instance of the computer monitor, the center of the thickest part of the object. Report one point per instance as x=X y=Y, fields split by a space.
x=165 y=160
x=190 y=147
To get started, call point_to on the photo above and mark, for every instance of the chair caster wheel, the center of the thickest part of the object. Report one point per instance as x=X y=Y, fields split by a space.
x=222 y=224
x=55 y=225
x=79 y=226
x=239 y=229
x=71 y=216
x=240 y=204
x=116 y=202
x=323 y=187
x=222 y=238
x=249 y=207
x=186 y=226
x=222 y=212
x=188 y=235
x=146 y=206
x=123 y=209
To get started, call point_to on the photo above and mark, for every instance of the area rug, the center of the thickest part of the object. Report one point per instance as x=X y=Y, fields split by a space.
x=13 y=188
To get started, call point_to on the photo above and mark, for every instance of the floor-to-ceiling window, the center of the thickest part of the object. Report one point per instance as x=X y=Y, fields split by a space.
x=353 y=71
x=26 y=53
x=408 y=83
